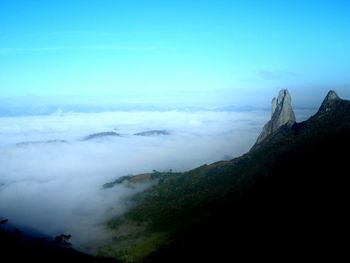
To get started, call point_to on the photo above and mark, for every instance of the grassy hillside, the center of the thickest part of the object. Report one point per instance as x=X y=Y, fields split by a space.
x=285 y=194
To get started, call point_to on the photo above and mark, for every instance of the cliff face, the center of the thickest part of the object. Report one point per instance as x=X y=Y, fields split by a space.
x=282 y=113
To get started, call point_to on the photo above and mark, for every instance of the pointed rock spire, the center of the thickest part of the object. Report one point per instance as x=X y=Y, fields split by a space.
x=332 y=95
x=282 y=113
x=329 y=101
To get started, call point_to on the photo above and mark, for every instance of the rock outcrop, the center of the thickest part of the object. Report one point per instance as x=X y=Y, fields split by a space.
x=328 y=103
x=282 y=114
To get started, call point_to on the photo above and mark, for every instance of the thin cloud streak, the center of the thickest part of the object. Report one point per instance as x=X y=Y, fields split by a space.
x=10 y=50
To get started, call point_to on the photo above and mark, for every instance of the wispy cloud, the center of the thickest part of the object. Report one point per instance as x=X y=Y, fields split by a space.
x=11 y=50
x=70 y=34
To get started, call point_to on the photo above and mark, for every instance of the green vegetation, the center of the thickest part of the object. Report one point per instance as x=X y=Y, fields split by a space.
x=131 y=180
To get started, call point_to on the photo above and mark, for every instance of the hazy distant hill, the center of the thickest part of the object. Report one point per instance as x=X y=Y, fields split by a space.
x=286 y=198
x=40 y=142
x=152 y=133
x=100 y=135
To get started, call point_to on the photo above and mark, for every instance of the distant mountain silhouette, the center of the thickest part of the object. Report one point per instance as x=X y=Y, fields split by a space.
x=100 y=135
x=40 y=142
x=152 y=133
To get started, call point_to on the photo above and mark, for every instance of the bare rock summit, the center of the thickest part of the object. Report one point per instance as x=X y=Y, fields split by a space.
x=329 y=102
x=282 y=114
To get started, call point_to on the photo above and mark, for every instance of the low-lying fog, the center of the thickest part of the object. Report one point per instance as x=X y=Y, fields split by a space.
x=51 y=179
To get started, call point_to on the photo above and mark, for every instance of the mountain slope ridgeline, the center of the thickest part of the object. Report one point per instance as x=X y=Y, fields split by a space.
x=287 y=197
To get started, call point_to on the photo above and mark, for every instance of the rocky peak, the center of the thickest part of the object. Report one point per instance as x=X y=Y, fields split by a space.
x=332 y=95
x=282 y=113
x=331 y=99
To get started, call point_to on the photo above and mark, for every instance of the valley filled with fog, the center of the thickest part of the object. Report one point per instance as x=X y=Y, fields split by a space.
x=52 y=170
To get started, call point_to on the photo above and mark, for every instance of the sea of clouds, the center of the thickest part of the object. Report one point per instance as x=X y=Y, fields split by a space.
x=51 y=179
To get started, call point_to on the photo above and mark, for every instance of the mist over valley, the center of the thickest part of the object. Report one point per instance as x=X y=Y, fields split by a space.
x=53 y=167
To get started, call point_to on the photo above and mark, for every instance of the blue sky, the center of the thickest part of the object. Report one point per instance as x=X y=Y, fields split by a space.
x=168 y=50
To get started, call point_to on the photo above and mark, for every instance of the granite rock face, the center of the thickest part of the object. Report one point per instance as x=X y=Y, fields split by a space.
x=282 y=113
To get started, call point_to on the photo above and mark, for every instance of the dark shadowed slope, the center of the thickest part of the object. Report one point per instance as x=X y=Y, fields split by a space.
x=286 y=198
x=20 y=246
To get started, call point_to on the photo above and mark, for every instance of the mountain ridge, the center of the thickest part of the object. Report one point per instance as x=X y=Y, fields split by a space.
x=280 y=182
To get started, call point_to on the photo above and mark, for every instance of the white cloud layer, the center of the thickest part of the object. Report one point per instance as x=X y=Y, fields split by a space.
x=56 y=187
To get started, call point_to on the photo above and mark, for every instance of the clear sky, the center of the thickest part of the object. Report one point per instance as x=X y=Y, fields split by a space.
x=145 y=48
